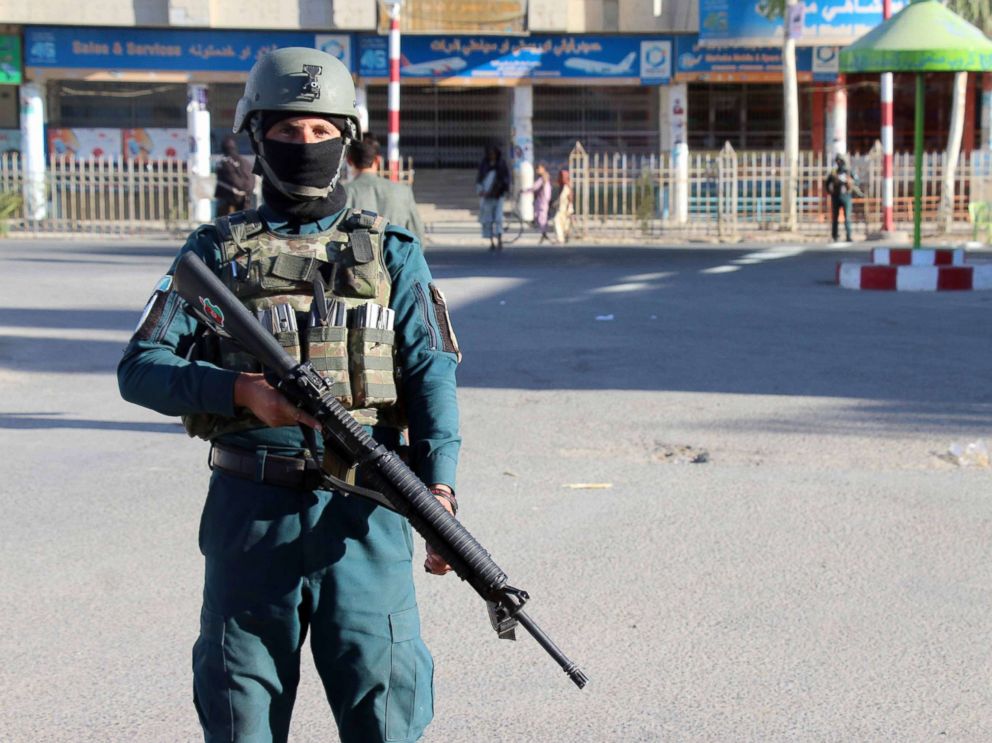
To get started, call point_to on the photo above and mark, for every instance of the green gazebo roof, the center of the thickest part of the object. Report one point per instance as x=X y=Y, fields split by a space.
x=922 y=37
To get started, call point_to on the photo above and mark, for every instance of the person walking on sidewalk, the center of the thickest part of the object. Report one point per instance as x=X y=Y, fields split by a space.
x=841 y=184
x=542 y=200
x=492 y=184
x=563 y=210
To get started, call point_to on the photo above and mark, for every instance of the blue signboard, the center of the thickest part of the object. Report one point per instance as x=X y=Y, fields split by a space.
x=166 y=49
x=824 y=21
x=639 y=58
x=725 y=64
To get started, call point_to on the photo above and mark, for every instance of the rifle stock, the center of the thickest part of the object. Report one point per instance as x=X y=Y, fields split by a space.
x=214 y=304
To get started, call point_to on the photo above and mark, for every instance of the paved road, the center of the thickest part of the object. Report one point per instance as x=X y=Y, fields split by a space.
x=819 y=574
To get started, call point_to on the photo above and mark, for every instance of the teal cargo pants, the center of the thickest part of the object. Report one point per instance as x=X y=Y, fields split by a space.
x=281 y=563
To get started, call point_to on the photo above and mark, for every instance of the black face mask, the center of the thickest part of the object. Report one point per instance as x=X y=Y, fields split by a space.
x=300 y=167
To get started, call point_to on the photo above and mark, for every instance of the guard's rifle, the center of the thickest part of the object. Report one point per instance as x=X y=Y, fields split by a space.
x=396 y=486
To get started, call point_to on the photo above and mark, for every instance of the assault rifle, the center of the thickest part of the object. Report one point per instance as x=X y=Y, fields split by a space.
x=395 y=485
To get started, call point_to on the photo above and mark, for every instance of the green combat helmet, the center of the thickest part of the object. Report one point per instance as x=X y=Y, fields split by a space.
x=299 y=80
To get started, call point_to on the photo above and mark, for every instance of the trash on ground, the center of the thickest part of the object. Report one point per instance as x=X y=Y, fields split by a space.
x=680 y=454
x=604 y=318
x=509 y=473
x=588 y=485
x=974 y=454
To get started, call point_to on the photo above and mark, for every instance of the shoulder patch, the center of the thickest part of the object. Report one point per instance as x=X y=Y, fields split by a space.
x=164 y=284
x=153 y=313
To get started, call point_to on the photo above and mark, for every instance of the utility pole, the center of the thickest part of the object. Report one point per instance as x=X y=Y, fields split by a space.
x=793 y=28
x=888 y=132
x=393 y=108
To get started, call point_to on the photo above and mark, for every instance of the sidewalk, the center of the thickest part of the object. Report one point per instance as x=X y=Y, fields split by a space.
x=468 y=232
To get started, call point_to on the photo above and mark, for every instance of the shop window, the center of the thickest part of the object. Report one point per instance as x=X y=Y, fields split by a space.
x=84 y=104
x=445 y=127
x=864 y=124
x=9 y=107
x=749 y=116
x=605 y=119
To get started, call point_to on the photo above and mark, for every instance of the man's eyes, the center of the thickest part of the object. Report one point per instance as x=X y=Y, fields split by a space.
x=293 y=131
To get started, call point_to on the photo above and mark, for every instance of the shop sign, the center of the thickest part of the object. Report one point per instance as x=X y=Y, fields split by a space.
x=735 y=64
x=826 y=63
x=629 y=58
x=10 y=59
x=837 y=22
x=166 y=49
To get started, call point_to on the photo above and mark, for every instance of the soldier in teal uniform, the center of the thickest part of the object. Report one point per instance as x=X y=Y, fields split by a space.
x=284 y=558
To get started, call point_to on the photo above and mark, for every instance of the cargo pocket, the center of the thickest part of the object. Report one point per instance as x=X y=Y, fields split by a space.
x=290 y=341
x=327 y=348
x=211 y=687
x=409 y=700
x=370 y=354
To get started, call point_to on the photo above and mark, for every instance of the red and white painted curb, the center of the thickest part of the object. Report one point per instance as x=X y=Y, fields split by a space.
x=918 y=256
x=919 y=278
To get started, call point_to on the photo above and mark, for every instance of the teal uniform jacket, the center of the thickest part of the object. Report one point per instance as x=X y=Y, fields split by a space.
x=154 y=373
x=284 y=565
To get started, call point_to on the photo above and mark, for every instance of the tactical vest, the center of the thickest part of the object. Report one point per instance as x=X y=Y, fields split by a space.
x=265 y=269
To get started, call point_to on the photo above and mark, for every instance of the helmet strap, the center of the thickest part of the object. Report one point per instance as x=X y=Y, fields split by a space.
x=290 y=190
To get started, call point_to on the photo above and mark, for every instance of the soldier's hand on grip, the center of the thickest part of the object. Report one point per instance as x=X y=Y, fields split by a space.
x=269 y=405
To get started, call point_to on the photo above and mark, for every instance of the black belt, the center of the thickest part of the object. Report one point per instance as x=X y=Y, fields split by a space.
x=300 y=473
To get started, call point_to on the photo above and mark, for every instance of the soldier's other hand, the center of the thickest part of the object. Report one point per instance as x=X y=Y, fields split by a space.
x=435 y=563
x=267 y=403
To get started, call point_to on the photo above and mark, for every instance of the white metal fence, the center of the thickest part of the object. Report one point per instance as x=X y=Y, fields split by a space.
x=105 y=195
x=97 y=195
x=723 y=193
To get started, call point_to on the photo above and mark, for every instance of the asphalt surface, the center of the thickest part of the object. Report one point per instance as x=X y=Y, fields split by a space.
x=783 y=553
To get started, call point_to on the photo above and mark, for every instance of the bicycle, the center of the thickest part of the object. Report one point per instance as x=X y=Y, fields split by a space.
x=513 y=226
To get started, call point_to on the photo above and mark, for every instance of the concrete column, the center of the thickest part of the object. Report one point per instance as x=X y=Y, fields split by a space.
x=673 y=105
x=522 y=155
x=664 y=122
x=838 y=130
x=680 y=197
x=198 y=165
x=362 y=104
x=32 y=97
x=673 y=111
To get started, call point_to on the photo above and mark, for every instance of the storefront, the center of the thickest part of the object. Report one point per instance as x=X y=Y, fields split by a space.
x=537 y=95
x=735 y=95
x=836 y=112
x=125 y=91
